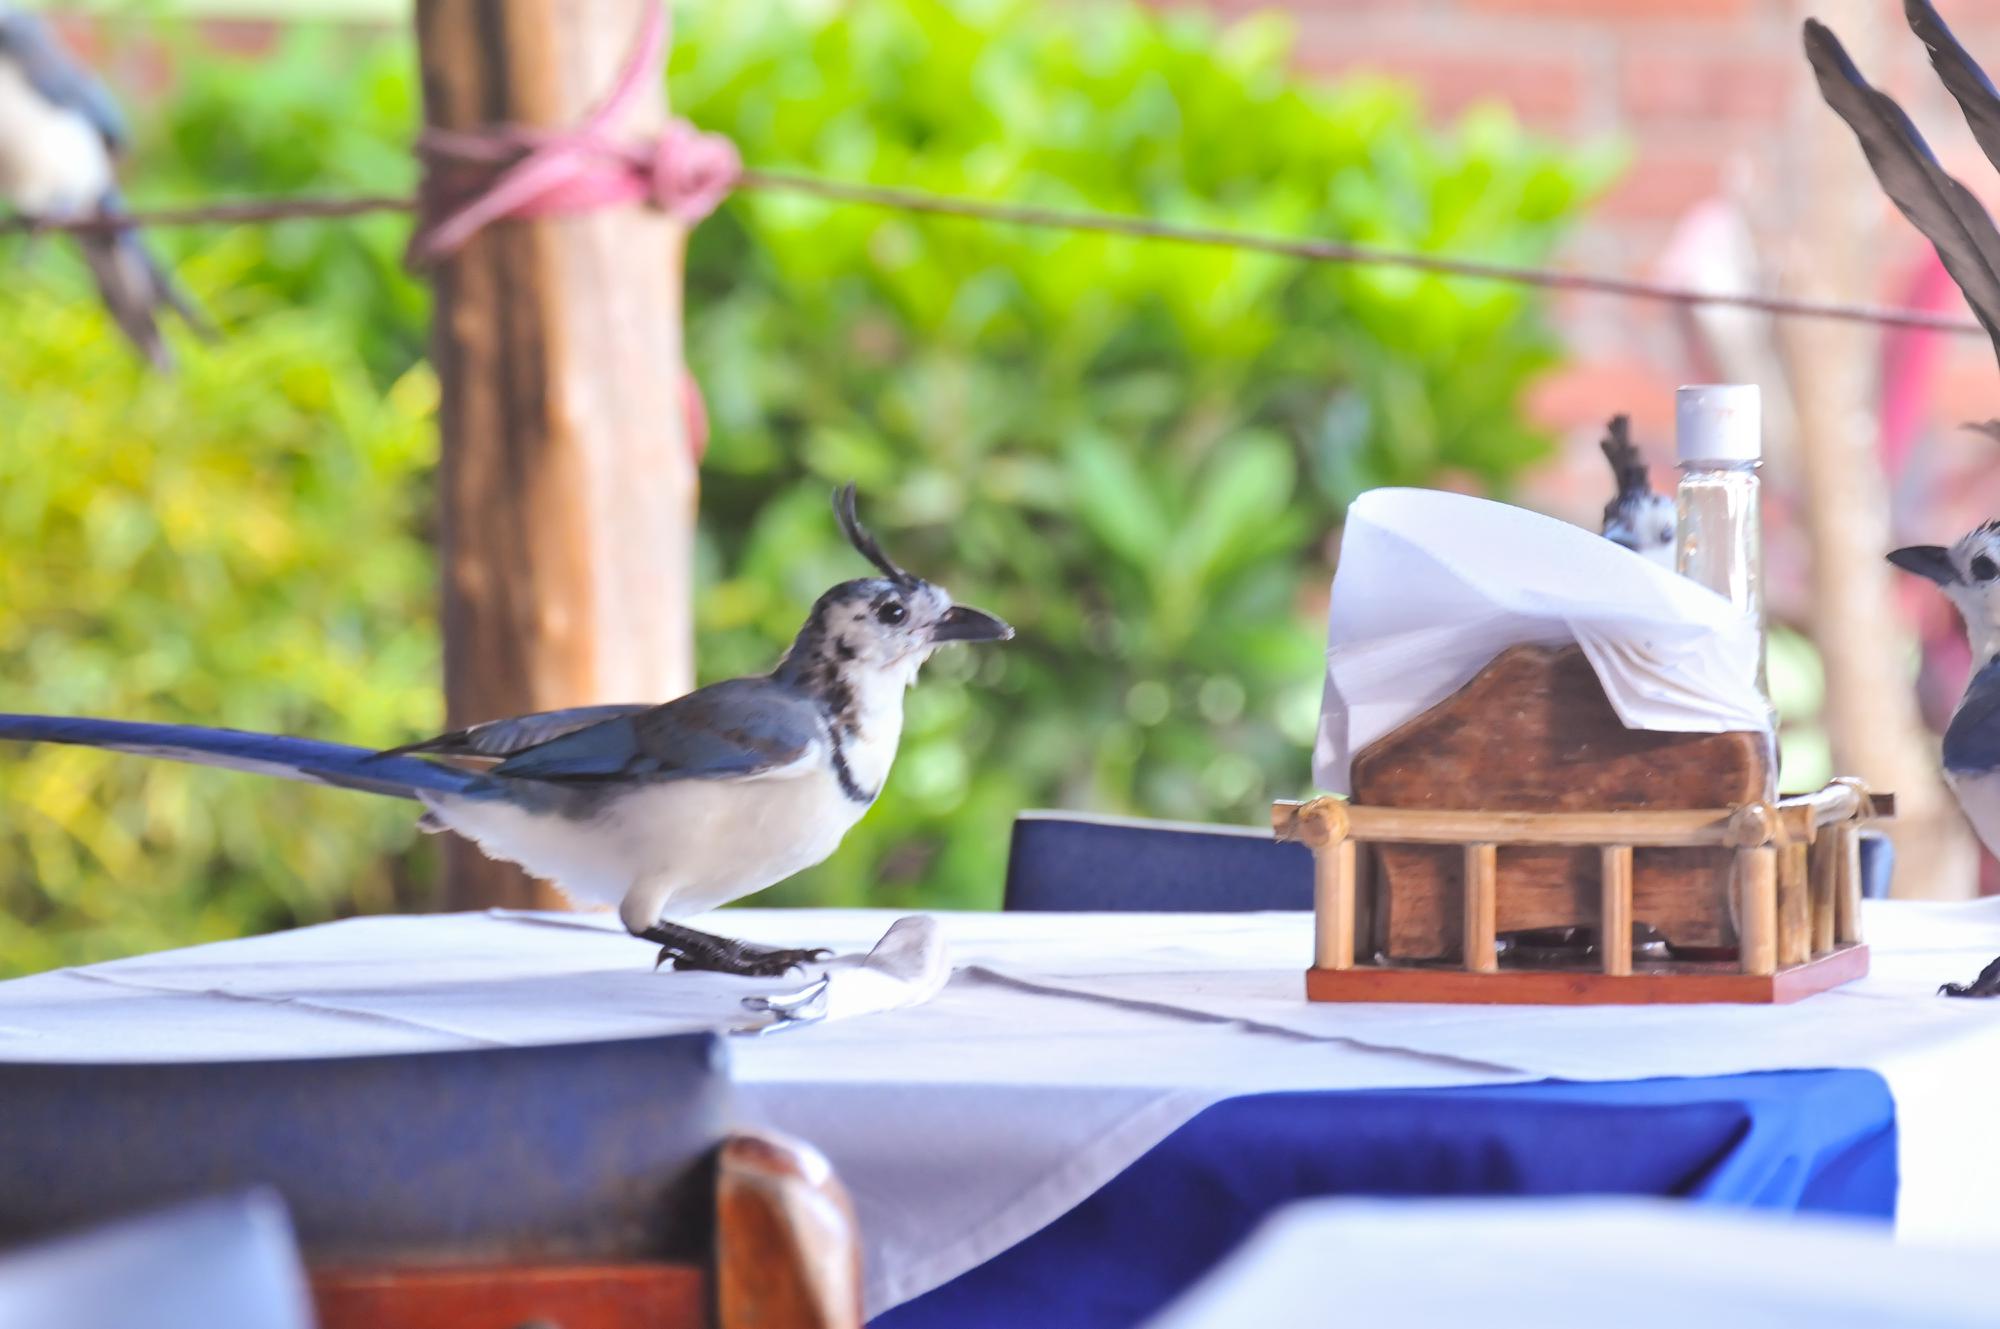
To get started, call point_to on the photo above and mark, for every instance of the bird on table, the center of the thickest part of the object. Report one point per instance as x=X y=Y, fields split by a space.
x=663 y=810
x=1637 y=517
x=1969 y=575
x=1968 y=245
x=60 y=139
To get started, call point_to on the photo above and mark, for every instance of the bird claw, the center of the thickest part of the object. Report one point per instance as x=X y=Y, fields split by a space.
x=742 y=960
x=692 y=950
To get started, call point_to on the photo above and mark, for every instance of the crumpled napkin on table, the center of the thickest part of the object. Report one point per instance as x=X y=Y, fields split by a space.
x=1432 y=585
x=908 y=966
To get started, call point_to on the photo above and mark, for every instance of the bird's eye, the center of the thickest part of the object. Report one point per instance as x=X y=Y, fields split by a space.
x=1984 y=568
x=891 y=611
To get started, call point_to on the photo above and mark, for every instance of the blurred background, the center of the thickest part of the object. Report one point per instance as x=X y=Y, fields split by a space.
x=1138 y=453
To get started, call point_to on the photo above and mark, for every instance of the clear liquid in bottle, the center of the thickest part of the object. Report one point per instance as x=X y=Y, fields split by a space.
x=1719 y=537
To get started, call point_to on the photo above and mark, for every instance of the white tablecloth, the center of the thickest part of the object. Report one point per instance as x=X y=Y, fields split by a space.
x=1065 y=1046
x=1581 y=1264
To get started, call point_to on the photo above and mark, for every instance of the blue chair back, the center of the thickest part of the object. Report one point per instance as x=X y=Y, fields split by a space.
x=1073 y=861
x=592 y=1151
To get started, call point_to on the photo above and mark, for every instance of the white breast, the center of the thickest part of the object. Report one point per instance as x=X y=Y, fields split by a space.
x=671 y=849
x=52 y=161
x=680 y=847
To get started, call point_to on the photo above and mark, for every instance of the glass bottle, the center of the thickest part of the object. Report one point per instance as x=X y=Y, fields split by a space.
x=1719 y=440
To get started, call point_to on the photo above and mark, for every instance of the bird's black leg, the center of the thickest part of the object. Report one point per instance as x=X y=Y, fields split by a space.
x=689 y=949
x=1986 y=985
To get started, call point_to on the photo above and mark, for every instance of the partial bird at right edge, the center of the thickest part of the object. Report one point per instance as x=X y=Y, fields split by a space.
x=60 y=138
x=1969 y=247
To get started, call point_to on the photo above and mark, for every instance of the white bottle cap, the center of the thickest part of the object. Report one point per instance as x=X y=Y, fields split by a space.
x=1719 y=422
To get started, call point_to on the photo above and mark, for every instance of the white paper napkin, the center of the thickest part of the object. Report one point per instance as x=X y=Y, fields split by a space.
x=1431 y=586
x=909 y=966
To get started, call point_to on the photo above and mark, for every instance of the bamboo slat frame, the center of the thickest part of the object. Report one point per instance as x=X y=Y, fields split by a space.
x=1797 y=874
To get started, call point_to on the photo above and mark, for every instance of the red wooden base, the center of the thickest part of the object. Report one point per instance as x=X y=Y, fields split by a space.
x=608 y=1296
x=1647 y=985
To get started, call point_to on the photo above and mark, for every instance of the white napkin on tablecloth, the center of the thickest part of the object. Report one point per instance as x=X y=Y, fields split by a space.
x=908 y=967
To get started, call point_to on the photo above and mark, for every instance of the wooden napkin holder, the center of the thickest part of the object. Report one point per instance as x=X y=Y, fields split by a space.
x=1522 y=804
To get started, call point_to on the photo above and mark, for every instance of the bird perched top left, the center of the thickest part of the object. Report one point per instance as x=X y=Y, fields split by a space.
x=60 y=139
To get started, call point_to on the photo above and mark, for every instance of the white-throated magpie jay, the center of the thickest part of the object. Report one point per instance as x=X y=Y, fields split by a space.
x=1968 y=245
x=60 y=137
x=1969 y=573
x=664 y=811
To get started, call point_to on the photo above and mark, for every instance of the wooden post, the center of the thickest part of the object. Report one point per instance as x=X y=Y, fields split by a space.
x=566 y=489
x=1333 y=904
x=1365 y=886
x=1825 y=868
x=1847 y=899
x=1794 y=906
x=1615 y=913
x=1757 y=909
x=1481 y=907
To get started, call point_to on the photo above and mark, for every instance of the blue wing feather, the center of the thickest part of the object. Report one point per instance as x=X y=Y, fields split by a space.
x=729 y=730
x=503 y=738
x=1972 y=740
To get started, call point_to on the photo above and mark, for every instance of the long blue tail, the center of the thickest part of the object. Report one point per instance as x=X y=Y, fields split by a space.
x=266 y=754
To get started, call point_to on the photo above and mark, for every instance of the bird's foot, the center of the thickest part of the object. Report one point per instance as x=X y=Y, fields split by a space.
x=1986 y=985
x=689 y=949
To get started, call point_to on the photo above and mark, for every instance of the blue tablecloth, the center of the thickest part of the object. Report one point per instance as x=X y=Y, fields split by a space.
x=1823 y=1141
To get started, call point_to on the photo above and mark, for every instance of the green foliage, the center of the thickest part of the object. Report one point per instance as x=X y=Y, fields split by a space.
x=1132 y=450
x=237 y=546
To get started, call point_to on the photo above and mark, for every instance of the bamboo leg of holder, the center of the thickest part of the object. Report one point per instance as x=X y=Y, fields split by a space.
x=1825 y=871
x=1364 y=904
x=1333 y=904
x=1794 y=907
x=1481 y=906
x=1615 y=916
x=1757 y=908
x=1847 y=887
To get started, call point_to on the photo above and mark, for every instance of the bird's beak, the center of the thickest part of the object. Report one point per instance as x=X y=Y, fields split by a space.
x=1928 y=561
x=962 y=623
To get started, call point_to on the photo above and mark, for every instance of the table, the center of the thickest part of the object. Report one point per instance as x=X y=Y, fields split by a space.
x=1069 y=1048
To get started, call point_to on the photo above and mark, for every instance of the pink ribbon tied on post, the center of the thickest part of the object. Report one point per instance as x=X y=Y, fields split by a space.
x=680 y=171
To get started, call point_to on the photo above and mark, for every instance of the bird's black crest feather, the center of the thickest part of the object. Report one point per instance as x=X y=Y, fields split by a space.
x=1627 y=466
x=864 y=543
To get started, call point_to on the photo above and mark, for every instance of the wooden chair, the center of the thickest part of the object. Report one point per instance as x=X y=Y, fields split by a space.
x=591 y=1186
